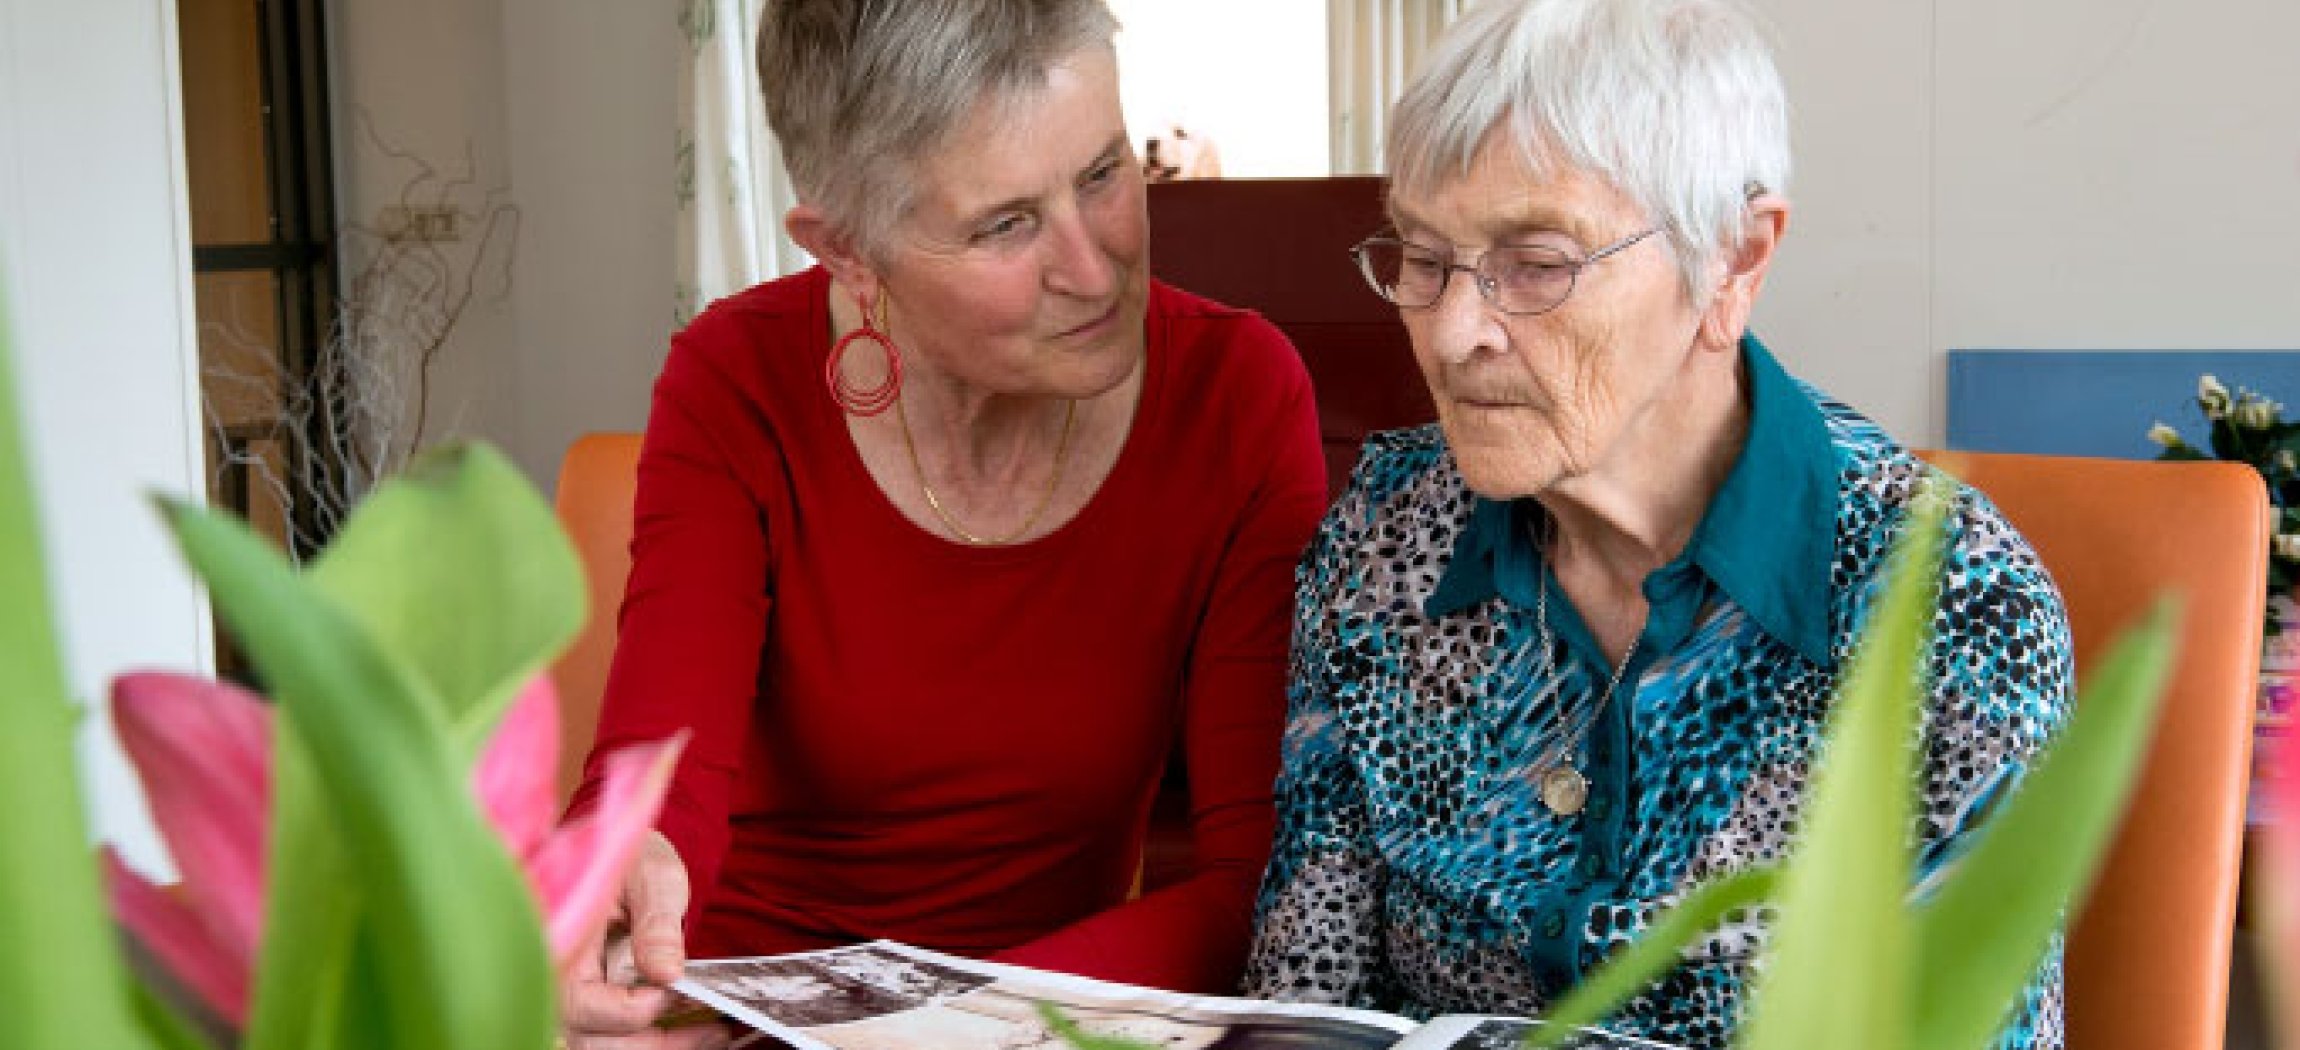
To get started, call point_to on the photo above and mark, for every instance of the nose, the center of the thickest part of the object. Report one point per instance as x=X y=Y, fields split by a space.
x=1461 y=323
x=1075 y=263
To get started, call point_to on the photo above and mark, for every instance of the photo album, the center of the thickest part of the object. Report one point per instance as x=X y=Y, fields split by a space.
x=888 y=996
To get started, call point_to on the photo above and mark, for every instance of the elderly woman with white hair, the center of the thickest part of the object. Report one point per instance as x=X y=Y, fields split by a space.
x=1570 y=650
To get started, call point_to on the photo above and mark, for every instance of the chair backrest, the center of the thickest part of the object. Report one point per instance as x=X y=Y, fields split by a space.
x=1281 y=246
x=596 y=482
x=2149 y=950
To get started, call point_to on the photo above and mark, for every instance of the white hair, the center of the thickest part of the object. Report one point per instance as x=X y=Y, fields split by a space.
x=1675 y=103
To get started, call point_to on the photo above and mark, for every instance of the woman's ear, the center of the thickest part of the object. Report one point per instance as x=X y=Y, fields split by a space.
x=833 y=247
x=1766 y=220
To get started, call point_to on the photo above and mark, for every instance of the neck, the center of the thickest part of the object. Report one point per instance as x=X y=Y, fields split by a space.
x=966 y=433
x=1638 y=510
x=976 y=434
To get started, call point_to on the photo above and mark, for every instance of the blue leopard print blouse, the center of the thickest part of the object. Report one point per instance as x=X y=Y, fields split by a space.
x=1416 y=869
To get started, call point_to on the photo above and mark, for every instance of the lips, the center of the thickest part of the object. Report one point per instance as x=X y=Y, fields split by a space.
x=1092 y=325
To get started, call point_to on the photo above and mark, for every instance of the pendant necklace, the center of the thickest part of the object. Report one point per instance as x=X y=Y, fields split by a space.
x=1563 y=788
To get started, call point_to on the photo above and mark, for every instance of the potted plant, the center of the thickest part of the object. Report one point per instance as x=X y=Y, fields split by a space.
x=375 y=859
x=2246 y=427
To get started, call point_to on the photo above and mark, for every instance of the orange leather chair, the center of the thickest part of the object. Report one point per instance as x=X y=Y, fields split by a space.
x=596 y=481
x=2148 y=953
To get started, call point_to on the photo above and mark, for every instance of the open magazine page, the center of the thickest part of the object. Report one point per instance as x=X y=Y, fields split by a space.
x=889 y=996
x=1467 y=1032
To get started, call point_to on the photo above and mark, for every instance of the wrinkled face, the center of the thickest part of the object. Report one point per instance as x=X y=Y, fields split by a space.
x=1022 y=265
x=1527 y=402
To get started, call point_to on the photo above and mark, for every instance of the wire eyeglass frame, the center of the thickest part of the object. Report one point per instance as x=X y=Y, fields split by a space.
x=1488 y=285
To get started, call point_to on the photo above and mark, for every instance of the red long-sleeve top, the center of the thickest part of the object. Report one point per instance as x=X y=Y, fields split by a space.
x=899 y=736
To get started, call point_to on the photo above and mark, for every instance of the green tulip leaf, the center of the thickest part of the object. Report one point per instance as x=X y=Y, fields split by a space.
x=459 y=570
x=1987 y=926
x=166 y=1029
x=63 y=979
x=1651 y=955
x=1841 y=971
x=312 y=908
x=457 y=939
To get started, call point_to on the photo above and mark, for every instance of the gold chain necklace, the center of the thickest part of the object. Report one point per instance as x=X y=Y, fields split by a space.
x=1045 y=499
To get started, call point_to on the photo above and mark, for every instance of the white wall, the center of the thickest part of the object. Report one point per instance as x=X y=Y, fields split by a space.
x=1256 y=86
x=95 y=249
x=566 y=107
x=418 y=114
x=2053 y=174
x=592 y=97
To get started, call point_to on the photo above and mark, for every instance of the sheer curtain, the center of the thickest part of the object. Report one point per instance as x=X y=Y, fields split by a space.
x=731 y=188
x=1374 y=46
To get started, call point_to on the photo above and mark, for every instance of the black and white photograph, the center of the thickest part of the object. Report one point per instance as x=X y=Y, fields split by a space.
x=902 y=975
x=799 y=992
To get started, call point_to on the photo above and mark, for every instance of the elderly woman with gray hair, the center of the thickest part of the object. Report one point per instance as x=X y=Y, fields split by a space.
x=1570 y=650
x=943 y=546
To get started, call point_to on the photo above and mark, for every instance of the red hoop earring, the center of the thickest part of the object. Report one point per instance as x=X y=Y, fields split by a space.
x=856 y=399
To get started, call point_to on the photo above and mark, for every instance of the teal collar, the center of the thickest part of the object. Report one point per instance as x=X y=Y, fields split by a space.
x=1768 y=539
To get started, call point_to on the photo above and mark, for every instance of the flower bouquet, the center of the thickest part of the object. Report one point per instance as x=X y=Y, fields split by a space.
x=2246 y=427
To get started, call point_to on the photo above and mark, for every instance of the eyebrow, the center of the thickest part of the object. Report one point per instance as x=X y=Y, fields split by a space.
x=1537 y=218
x=1111 y=152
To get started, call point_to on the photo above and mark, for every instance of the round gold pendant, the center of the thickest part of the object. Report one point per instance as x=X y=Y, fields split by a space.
x=1564 y=790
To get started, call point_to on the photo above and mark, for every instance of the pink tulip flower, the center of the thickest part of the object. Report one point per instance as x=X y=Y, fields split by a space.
x=203 y=750
x=2278 y=895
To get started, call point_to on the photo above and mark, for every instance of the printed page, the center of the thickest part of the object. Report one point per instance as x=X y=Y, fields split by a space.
x=1469 y=1032
x=889 y=996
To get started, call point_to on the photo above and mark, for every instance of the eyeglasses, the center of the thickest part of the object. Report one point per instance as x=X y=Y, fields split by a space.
x=1515 y=279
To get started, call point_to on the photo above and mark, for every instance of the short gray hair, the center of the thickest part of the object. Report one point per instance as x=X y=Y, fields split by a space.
x=1676 y=103
x=860 y=92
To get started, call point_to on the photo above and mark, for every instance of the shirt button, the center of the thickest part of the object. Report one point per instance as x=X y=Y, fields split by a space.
x=1587 y=865
x=1553 y=925
x=1598 y=807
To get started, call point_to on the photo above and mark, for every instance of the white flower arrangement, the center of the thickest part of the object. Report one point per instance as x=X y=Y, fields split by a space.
x=2245 y=426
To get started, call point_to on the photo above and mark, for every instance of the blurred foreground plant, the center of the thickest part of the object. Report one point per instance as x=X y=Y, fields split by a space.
x=1856 y=958
x=204 y=752
x=2275 y=891
x=360 y=870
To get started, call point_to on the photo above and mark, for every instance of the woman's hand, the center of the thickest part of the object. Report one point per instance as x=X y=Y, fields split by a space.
x=619 y=987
